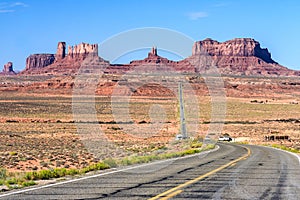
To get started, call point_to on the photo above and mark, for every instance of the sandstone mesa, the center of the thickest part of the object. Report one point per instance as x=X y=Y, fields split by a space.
x=240 y=56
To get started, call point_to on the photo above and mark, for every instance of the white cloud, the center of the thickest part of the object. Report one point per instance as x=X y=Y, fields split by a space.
x=6 y=11
x=9 y=7
x=19 y=4
x=221 y=4
x=196 y=15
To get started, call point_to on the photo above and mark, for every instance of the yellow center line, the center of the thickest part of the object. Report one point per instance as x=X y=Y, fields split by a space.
x=232 y=164
x=173 y=194
x=178 y=188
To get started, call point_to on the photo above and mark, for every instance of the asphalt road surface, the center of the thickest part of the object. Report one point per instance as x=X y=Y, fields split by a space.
x=231 y=172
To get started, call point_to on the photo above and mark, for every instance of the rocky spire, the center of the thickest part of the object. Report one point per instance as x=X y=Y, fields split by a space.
x=8 y=68
x=153 y=52
x=61 y=51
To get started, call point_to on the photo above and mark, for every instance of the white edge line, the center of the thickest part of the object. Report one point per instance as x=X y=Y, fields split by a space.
x=294 y=154
x=106 y=173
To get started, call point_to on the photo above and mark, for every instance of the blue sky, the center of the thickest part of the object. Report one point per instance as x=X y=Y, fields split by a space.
x=29 y=27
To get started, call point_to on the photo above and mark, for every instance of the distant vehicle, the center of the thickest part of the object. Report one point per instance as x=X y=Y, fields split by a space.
x=179 y=137
x=225 y=138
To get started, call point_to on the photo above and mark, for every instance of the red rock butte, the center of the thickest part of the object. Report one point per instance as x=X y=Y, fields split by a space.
x=8 y=69
x=241 y=56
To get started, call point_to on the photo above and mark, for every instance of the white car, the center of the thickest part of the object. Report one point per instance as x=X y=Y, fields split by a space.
x=179 y=137
x=225 y=138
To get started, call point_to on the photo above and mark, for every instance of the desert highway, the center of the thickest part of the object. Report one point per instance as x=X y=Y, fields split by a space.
x=231 y=172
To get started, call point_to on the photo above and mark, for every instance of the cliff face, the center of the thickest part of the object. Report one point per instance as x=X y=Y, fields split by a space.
x=61 y=58
x=61 y=51
x=76 y=52
x=241 y=47
x=39 y=61
x=242 y=56
x=80 y=51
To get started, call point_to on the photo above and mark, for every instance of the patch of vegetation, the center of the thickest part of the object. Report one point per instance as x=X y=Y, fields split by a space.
x=116 y=128
x=28 y=183
x=13 y=153
x=61 y=172
x=94 y=167
x=14 y=180
x=196 y=144
x=244 y=142
x=19 y=180
x=148 y=158
x=285 y=148
x=256 y=101
x=111 y=162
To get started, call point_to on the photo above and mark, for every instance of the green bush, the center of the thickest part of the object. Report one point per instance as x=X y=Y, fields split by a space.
x=28 y=176
x=72 y=172
x=94 y=167
x=13 y=153
x=102 y=166
x=44 y=175
x=196 y=145
x=59 y=172
x=28 y=183
x=190 y=151
x=12 y=181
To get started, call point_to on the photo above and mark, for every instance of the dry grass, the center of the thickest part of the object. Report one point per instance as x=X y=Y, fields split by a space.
x=39 y=132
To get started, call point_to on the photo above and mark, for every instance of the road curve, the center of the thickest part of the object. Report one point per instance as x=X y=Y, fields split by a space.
x=232 y=172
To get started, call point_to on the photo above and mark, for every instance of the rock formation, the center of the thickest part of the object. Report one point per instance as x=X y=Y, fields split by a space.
x=153 y=52
x=158 y=63
x=240 y=47
x=75 y=54
x=8 y=69
x=61 y=51
x=240 y=61
x=241 y=56
x=80 y=51
x=39 y=61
